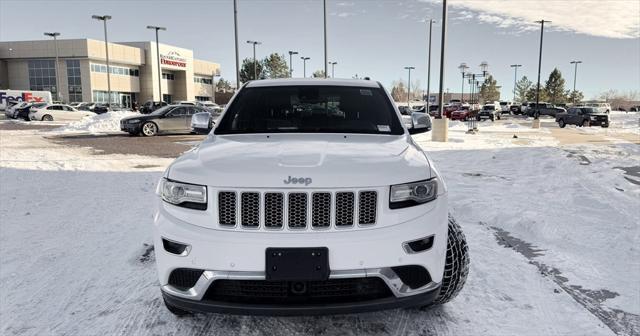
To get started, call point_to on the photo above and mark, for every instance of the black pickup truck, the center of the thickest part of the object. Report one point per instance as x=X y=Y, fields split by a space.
x=543 y=109
x=582 y=116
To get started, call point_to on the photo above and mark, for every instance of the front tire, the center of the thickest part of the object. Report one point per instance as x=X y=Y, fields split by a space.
x=47 y=117
x=175 y=310
x=561 y=123
x=456 y=267
x=149 y=129
x=586 y=123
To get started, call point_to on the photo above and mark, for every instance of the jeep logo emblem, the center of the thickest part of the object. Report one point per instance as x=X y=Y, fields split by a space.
x=298 y=180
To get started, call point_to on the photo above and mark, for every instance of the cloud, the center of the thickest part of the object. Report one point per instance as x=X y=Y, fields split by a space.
x=604 y=18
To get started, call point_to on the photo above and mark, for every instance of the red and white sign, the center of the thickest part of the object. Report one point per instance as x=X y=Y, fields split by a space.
x=173 y=59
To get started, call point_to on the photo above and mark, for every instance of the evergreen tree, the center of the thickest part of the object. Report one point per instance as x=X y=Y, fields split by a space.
x=522 y=87
x=318 y=74
x=554 y=87
x=489 y=91
x=246 y=71
x=531 y=93
x=275 y=66
x=574 y=96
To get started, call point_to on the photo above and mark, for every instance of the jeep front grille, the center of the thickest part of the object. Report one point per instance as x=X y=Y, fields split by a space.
x=297 y=210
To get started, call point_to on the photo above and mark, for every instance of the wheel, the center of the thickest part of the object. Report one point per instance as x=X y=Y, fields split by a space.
x=561 y=123
x=586 y=123
x=456 y=267
x=47 y=117
x=149 y=129
x=493 y=119
x=499 y=117
x=478 y=118
x=605 y=125
x=175 y=310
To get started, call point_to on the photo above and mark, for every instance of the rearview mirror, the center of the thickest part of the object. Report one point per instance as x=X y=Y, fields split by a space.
x=202 y=122
x=421 y=122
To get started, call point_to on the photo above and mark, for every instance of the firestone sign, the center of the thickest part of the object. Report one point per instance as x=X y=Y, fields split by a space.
x=173 y=58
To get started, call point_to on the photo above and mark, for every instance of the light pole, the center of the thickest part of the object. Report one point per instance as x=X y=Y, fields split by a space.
x=575 y=76
x=409 y=84
x=515 y=79
x=304 y=65
x=463 y=70
x=326 y=59
x=158 y=59
x=255 y=65
x=333 y=64
x=104 y=19
x=291 y=53
x=429 y=66
x=235 y=30
x=55 y=42
x=213 y=85
x=473 y=83
x=536 y=112
x=443 y=44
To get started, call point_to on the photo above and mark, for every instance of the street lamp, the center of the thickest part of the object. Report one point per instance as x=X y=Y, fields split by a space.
x=235 y=31
x=409 y=84
x=536 y=112
x=463 y=70
x=326 y=59
x=158 y=59
x=104 y=19
x=255 y=65
x=484 y=67
x=431 y=21
x=515 y=78
x=443 y=44
x=333 y=64
x=304 y=65
x=291 y=53
x=55 y=42
x=575 y=76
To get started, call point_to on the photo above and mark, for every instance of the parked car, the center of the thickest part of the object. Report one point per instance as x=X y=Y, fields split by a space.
x=58 y=112
x=76 y=105
x=291 y=208
x=167 y=119
x=523 y=107
x=23 y=112
x=211 y=106
x=490 y=111
x=516 y=109
x=505 y=107
x=464 y=113
x=582 y=116
x=634 y=109
x=543 y=109
x=600 y=107
x=151 y=106
x=11 y=108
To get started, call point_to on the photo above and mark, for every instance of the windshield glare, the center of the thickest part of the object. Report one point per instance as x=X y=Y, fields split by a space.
x=162 y=110
x=310 y=109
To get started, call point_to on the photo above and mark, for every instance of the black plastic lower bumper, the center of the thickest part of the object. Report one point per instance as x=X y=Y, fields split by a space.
x=290 y=310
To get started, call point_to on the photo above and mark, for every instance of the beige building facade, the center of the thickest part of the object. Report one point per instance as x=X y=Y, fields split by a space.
x=133 y=68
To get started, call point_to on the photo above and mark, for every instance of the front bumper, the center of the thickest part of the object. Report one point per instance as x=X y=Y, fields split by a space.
x=130 y=128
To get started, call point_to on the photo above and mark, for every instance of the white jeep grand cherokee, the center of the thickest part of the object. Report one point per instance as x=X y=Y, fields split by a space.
x=308 y=197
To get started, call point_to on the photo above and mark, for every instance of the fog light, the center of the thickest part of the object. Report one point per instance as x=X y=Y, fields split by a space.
x=419 y=245
x=175 y=247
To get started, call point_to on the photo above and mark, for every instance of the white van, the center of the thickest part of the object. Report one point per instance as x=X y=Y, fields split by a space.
x=27 y=96
x=600 y=107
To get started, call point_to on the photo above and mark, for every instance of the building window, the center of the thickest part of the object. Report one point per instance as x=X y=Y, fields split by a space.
x=202 y=80
x=115 y=70
x=42 y=75
x=74 y=81
x=203 y=98
x=167 y=98
x=101 y=96
x=167 y=76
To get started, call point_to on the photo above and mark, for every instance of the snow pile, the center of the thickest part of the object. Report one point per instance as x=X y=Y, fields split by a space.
x=100 y=123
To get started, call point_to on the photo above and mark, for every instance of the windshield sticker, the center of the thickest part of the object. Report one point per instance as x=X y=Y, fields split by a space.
x=384 y=128
x=366 y=92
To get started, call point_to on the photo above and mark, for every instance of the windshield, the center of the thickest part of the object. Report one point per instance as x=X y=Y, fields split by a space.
x=310 y=109
x=503 y=103
x=589 y=110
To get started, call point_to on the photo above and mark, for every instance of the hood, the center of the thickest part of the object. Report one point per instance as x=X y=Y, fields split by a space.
x=139 y=117
x=321 y=160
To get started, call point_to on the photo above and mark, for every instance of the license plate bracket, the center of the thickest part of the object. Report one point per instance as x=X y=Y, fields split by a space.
x=297 y=263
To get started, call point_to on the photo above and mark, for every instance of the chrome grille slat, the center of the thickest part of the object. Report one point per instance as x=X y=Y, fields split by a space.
x=273 y=210
x=297 y=215
x=344 y=208
x=227 y=208
x=367 y=203
x=250 y=209
x=321 y=209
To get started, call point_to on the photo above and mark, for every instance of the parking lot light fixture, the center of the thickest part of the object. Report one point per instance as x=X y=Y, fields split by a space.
x=515 y=78
x=255 y=65
x=333 y=64
x=291 y=53
x=463 y=70
x=304 y=65
x=104 y=19
x=158 y=59
x=409 y=68
x=55 y=42
x=431 y=21
x=575 y=76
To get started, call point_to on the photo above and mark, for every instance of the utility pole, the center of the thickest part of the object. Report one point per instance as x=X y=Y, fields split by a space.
x=213 y=85
x=158 y=60
x=291 y=53
x=575 y=76
x=104 y=19
x=409 y=85
x=429 y=67
x=255 y=65
x=55 y=42
x=536 y=112
x=333 y=64
x=304 y=65
x=326 y=59
x=443 y=43
x=515 y=79
x=235 y=30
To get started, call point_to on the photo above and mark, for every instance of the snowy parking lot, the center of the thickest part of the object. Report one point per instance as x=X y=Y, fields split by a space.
x=551 y=215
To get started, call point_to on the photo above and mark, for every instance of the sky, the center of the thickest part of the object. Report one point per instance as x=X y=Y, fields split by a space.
x=369 y=37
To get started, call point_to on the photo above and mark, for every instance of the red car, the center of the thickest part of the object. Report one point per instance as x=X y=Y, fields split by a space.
x=462 y=114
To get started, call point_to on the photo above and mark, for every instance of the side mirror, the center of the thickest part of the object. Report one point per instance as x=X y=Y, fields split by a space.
x=421 y=122
x=202 y=122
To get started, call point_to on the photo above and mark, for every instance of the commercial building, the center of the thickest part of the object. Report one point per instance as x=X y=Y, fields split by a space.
x=30 y=65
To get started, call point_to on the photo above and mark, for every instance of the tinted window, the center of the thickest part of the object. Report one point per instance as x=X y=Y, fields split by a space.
x=309 y=109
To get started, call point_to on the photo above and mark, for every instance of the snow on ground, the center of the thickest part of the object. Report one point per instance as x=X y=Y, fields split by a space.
x=100 y=123
x=552 y=232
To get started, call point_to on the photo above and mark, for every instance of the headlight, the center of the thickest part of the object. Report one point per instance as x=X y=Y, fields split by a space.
x=410 y=194
x=185 y=195
x=133 y=121
x=593 y=117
